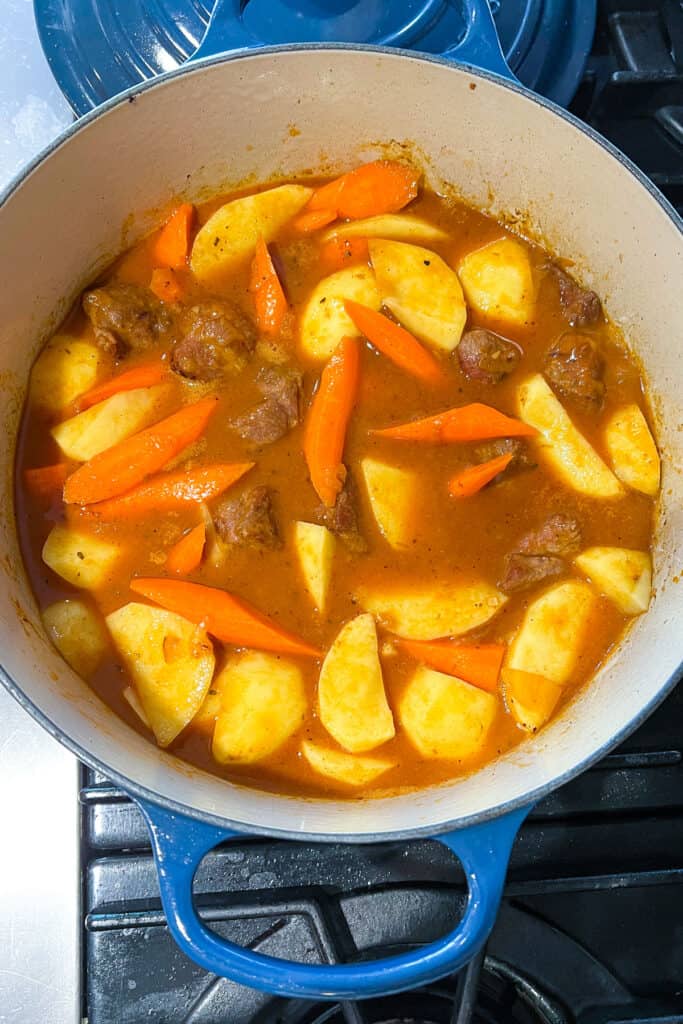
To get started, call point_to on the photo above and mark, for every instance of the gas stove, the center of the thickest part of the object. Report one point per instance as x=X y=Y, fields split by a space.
x=590 y=930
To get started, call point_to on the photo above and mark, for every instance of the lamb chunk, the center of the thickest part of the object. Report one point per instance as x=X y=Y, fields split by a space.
x=521 y=458
x=215 y=339
x=559 y=535
x=486 y=356
x=342 y=518
x=580 y=306
x=574 y=367
x=278 y=413
x=126 y=317
x=248 y=520
x=523 y=571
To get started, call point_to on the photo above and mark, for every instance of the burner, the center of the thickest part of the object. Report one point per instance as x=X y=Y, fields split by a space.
x=97 y=48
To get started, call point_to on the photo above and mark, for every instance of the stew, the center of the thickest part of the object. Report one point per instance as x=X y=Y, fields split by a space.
x=337 y=487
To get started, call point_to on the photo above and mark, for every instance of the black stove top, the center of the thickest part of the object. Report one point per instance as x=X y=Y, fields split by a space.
x=591 y=926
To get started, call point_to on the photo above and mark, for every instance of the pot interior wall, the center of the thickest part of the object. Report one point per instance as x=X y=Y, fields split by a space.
x=246 y=120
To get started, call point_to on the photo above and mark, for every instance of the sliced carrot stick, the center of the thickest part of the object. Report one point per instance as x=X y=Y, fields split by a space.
x=144 y=376
x=341 y=252
x=475 y=422
x=471 y=480
x=228 y=618
x=266 y=290
x=127 y=463
x=395 y=342
x=185 y=556
x=46 y=481
x=173 y=490
x=166 y=285
x=312 y=220
x=328 y=419
x=172 y=247
x=478 y=664
x=383 y=186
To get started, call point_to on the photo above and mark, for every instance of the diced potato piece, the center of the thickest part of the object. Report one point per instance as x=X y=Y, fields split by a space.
x=561 y=444
x=63 y=371
x=622 y=575
x=632 y=449
x=498 y=281
x=530 y=699
x=315 y=549
x=78 y=633
x=131 y=697
x=263 y=702
x=347 y=768
x=80 y=558
x=106 y=423
x=421 y=291
x=445 y=717
x=431 y=612
x=229 y=236
x=324 y=321
x=171 y=663
x=352 y=704
x=403 y=226
x=549 y=640
x=393 y=494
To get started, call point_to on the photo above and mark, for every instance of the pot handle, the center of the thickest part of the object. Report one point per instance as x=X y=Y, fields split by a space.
x=478 y=46
x=179 y=843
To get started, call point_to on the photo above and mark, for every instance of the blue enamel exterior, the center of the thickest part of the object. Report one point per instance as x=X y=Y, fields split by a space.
x=179 y=844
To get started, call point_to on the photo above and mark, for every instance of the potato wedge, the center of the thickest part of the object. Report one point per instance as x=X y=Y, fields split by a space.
x=394 y=496
x=347 y=768
x=315 y=550
x=80 y=558
x=263 y=703
x=64 y=370
x=402 y=226
x=632 y=449
x=130 y=696
x=352 y=704
x=498 y=281
x=421 y=291
x=78 y=633
x=445 y=717
x=621 y=574
x=421 y=612
x=229 y=236
x=568 y=452
x=171 y=663
x=530 y=699
x=549 y=640
x=107 y=423
x=324 y=321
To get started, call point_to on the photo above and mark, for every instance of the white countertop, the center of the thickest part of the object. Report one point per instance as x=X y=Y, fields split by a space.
x=39 y=863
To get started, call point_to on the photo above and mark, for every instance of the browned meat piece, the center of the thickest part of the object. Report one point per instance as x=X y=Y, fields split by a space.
x=523 y=571
x=214 y=339
x=521 y=458
x=580 y=306
x=486 y=356
x=248 y=520
x=574 y=367
x=278 y=412
x=342 y=518
x=559 y=535
x=126 y=316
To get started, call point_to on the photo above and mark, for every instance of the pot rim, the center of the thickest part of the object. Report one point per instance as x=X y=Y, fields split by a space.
x=130 y=785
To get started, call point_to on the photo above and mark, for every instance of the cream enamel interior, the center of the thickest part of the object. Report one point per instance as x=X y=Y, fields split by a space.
x=288 y=112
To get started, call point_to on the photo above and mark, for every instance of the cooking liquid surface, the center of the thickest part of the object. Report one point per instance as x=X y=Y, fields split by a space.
x=453 y=537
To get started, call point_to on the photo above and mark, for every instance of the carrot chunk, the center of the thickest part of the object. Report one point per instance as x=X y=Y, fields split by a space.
x=46 y=482
x=127 y=463
x=172 y=247
x=471 y=480
x=228 y=618
x=478 y=664
x=144 y=376
x=269 y=298
x=185 y=556
x=313 y=220
x=166 y=285
x=173 y=490
x=395 y=342
x=341 y=252
x=383 y=186
x=475 y=422
x=328 y=419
